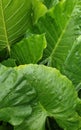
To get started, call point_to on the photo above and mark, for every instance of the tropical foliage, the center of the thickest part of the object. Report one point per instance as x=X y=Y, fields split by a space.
x=40 y=65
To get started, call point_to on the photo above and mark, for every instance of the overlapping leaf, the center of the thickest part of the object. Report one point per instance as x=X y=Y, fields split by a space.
x=50 y=3
x=14 y=20
x=52 y=101
x=48 y=92
x=15 y=96
x=38 y=10
x=62 y=26
x=9 y=62
x=29 y=50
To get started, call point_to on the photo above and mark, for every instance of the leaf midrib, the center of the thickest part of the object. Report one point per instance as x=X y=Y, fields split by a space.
x=47 y=113
x=5 y=28
x=62 y=34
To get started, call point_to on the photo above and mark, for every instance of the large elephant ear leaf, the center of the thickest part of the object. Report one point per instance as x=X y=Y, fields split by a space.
x=56 y=97
x=62 y=25
x=14 y=20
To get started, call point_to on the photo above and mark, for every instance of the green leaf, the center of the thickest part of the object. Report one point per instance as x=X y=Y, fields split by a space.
x=9 y=62
x=38 y=10
x=56 y=97
x=72 y=65
x=16 y=95
x=62 y=25
x=50 y=3
x=14 y=20
x=79 y=107
x=29 y=50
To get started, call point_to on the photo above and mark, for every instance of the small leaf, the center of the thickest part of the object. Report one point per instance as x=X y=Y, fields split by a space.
x=38 y=10
x=50 y=3
x=9 y=62
x=29 y=50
